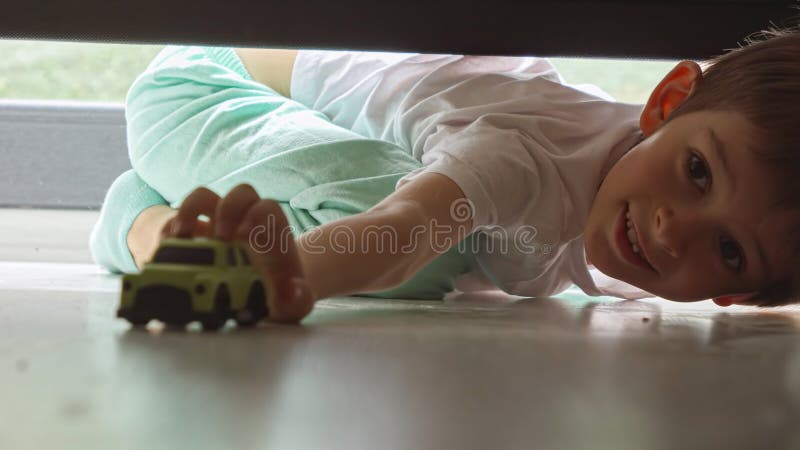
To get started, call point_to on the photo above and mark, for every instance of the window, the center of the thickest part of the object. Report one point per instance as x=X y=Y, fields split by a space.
x=76 y=92
x=50 y=70
x=627 y=80
x=245 y=258
x=184 y=255
x=231 y=257
x=62 y=120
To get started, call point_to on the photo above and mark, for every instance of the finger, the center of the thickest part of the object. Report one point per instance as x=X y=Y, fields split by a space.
x=232 y=209
x=201 y=229
x=266 y=234
x=166 y=230
x=201 y=201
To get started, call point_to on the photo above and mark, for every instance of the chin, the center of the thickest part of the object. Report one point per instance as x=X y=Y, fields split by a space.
x=610 y=271
x=618 y=275
x=680 y=298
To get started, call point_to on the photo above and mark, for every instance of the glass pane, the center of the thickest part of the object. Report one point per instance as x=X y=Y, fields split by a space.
x=185 y=255
x=231 y=257
x=33 y=69
x=626 y=80
x=245 y=258
x=68 y=157
x=52 y=70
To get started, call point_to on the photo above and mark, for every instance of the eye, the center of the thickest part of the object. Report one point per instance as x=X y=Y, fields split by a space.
x=729 y=249
x=697 y=168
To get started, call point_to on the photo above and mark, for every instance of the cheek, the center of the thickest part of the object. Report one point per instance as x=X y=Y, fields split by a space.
x=691 y=281
x=630 y=173
x=648 y=157
x=643 y=168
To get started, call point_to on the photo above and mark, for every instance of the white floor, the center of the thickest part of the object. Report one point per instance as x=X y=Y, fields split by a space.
x=483 y=371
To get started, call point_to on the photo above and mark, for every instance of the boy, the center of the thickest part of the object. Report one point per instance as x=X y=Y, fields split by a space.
x=687 y=198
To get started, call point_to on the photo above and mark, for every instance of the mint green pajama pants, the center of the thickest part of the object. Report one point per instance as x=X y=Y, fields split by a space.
x=196 y=117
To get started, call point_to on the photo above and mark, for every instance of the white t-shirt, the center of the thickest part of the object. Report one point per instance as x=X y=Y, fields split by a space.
x=526 y=149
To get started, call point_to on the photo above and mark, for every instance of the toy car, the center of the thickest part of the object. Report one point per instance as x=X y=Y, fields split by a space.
x=195 y=279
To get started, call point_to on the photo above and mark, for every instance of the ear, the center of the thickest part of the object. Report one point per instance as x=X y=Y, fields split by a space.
x=729 y=300
x=673 y=90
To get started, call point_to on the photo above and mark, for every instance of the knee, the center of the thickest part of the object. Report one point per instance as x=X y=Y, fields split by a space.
x=152 y=107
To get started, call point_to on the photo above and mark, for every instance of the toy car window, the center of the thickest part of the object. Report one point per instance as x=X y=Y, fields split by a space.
x=231 y=257
x=245 y=259
x=184 y=255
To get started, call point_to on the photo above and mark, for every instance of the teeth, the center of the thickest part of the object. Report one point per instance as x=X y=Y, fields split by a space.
x=631 y=235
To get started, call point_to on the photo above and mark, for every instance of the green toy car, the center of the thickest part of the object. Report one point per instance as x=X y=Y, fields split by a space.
x=195 y=279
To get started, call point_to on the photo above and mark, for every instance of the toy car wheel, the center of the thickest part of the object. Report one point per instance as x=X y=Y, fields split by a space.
x=177 y=323
x=134 y=317
x=221 y=311
x=256 y=308
x=138 y=321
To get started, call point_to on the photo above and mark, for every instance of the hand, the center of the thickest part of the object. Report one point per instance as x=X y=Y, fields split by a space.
x=242 y=216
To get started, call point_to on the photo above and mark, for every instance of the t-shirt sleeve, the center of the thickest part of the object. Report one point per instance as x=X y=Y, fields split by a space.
x=492 y=166
x=365 y=92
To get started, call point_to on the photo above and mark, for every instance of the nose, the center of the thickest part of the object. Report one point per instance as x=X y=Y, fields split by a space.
x=668 y=234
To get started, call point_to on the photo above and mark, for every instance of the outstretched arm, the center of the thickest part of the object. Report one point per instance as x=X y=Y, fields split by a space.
x=312 y=260
x=418 y=227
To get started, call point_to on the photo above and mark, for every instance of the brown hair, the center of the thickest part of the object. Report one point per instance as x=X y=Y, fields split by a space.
x=761 y=80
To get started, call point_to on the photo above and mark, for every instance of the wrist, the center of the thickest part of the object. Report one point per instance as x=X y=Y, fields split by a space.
x=332 y=269
x=313 y=283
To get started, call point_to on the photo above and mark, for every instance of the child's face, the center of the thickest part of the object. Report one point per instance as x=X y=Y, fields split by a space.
x=697 y=223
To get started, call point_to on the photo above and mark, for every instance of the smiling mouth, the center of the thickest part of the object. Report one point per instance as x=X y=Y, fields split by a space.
x=625 y=247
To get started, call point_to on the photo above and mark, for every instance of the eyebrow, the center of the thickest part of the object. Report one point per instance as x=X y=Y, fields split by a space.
x=719 y=155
